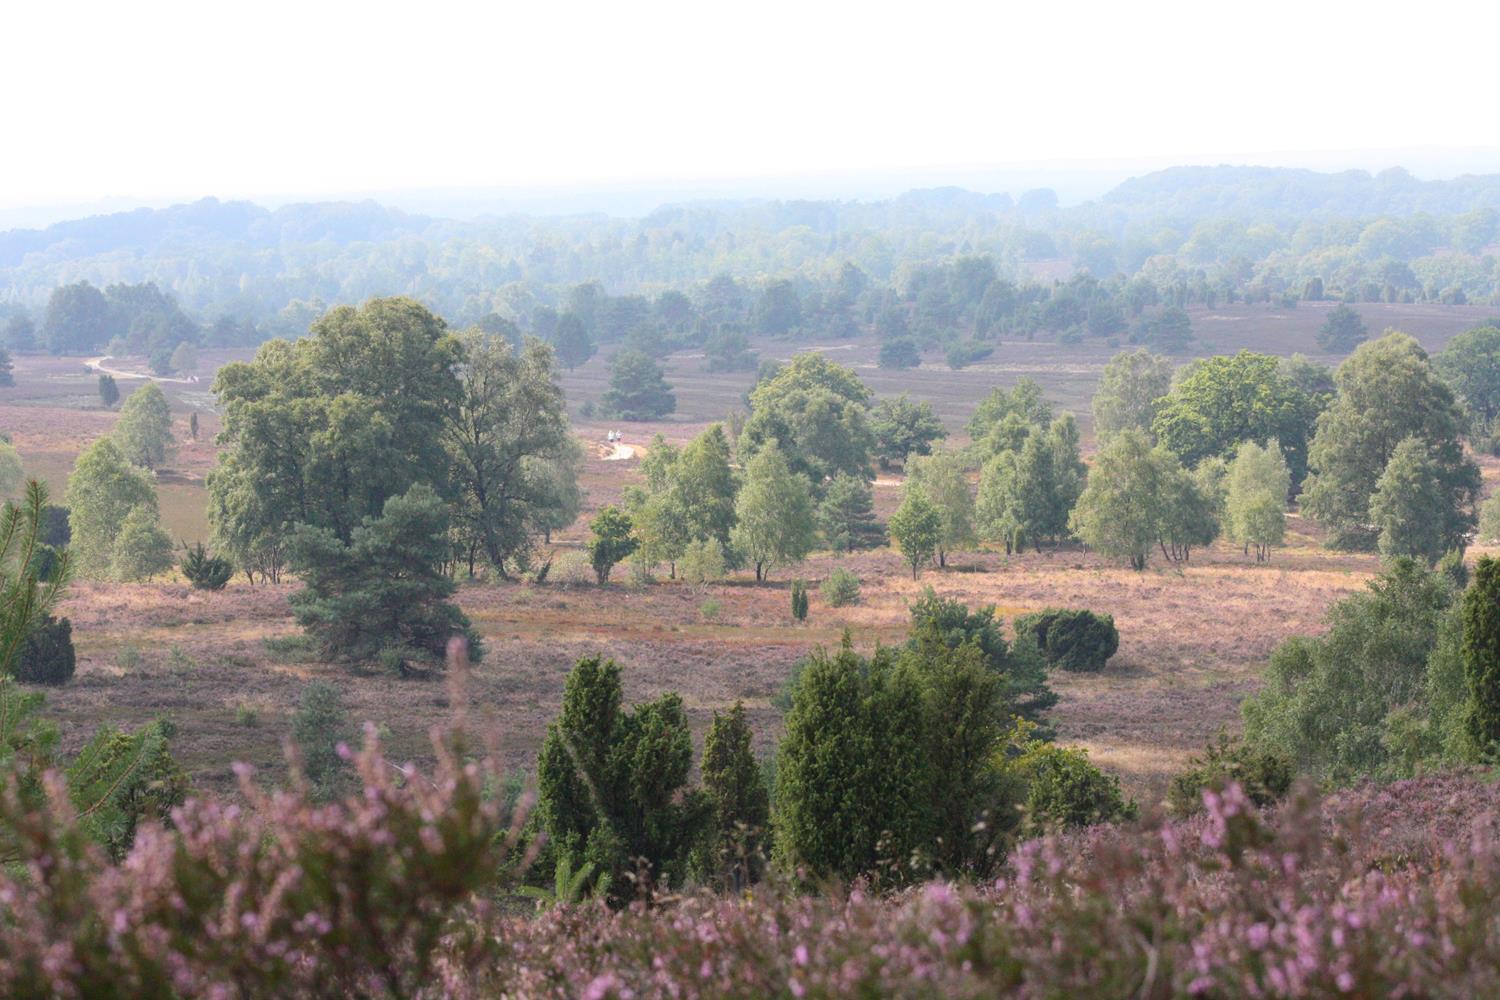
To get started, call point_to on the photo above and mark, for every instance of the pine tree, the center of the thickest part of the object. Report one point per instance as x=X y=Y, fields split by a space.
x=847 y=515
x=109 y=392
x=384 y=594
x=612 y=783
x=738 y=800
x=637 y=389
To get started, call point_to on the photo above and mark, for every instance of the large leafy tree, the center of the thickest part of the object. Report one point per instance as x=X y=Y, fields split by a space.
x=773 y=514
x=1023 y=401
x=103 y=489
x=917 y=528
x=1471 y=365
x=1255 y=501
x=816 y=413
x=1129 y=391
x=325 y=430
x=512 y=457
x=1328 y=700
x=1387 y=392
x=1120 y=511
x=1407 y=508
x=384 y=590
x=1343 y=330
x=902 y=428
x=1481 y=655
x=144 y=430
x=943 y=477
x=78 y=319
x=1226 y=400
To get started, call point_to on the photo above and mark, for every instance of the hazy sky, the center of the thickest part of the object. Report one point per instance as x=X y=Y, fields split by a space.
x=167 y=100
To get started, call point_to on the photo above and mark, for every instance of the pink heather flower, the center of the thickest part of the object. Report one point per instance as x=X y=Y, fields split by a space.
x=800 y=955
x=1345 y=982
x=797 y=988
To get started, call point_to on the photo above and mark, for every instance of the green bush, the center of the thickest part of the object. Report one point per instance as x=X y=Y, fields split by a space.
x=1265 y=775
x=1064 y=790
x=1072 y=638
x=205 y=572
x=841 y=588
x=799 y=600
x=47 y=657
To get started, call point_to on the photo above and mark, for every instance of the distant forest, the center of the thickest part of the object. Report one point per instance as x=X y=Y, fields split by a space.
x=933 y=268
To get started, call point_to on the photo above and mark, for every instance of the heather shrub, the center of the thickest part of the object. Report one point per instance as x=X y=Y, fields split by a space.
x=1072 y=639
x=373 y=895
x=1264 y=774
x=841 y=589
x=47 y=655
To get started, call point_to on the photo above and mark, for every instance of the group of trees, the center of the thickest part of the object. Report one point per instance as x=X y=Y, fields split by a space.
x=384 y=430
x=911 y=761
x=942 y=269
x=1406 y=677
x=122 y=319
x=804 y=459
x=1218 y=447
x=112 y=506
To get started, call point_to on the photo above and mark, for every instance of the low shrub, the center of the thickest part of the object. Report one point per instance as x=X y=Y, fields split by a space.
x=48 y=657
x=799 y=600
x=710 y=609
x=1064 y=790
x=572 y=569
x=1072 y=638
x=702 y=563
x=841 y=589
x=205 y=572
x=1266 y=775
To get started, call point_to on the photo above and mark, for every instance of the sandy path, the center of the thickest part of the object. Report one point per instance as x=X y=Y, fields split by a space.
x=97 y=364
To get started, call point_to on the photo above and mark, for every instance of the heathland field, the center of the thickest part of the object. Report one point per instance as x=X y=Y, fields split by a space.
x=228 y=668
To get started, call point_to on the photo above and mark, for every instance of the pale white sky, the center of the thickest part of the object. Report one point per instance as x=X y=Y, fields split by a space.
x=182 y=99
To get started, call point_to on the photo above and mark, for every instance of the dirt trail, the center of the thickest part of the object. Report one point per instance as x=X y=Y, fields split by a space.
x=97 y=364
x=621 y=452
